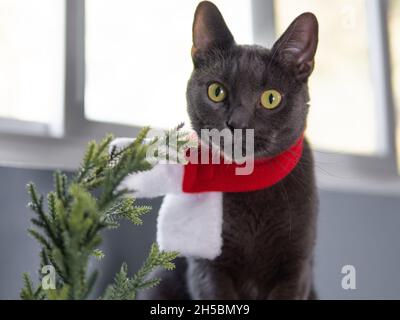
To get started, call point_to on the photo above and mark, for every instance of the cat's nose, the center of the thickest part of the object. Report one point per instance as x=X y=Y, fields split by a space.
x=237 y=121
x=236 y=124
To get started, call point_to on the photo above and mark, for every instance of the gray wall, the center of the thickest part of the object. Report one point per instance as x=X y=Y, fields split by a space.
x=353 y=229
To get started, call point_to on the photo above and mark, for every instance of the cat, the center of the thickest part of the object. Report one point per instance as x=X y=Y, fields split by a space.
x=269 y=234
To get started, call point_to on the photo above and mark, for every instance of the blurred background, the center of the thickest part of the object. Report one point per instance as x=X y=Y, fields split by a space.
x=73 y=70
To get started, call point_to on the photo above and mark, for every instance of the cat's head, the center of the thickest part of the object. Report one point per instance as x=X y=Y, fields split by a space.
x=250 y=87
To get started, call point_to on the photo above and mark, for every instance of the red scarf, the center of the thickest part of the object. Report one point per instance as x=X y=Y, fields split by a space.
x=222 y=177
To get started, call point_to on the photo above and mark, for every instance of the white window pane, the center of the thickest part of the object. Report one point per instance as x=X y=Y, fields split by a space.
x=342 y=114
x=32 y=61
x=138 y=57
x=394 y=27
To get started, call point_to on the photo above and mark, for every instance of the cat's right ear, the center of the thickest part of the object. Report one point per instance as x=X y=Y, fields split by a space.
x=209 y=31
x=296 y=48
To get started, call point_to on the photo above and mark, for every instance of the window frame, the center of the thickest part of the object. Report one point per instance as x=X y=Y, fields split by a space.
x=28 y=144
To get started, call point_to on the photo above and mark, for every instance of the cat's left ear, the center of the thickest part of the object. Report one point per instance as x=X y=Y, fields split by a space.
x=209 y=30
x=296 y=48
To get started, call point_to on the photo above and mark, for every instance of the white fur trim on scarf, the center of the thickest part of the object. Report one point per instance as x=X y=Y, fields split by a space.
x=161 y=180
x=191 y=224
x=188 y=223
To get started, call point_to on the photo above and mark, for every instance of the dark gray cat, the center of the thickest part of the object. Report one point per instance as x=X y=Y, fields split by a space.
x=268 y=235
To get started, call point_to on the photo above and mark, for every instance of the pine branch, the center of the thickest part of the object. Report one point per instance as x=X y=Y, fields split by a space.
x=78 y=209
x=126 y=209
x=121 y=289
x=125 y=288
x=28 y=292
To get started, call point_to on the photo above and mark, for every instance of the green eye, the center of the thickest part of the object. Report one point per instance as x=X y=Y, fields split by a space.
x=270 y=99
x=216 y=92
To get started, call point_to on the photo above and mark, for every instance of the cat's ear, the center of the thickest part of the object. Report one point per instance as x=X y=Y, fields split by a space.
x=296 y=48
x=209 y=30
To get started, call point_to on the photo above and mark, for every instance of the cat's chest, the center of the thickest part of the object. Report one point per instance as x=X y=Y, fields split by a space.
x=254 y=218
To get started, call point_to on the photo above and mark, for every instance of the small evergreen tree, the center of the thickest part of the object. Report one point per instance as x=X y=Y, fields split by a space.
x=68 y=230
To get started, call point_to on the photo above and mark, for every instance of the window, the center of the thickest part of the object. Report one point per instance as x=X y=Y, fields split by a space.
x=394 y=27
x=343 y=105
x=126 y=65
x=32 y=64
x=138 y=57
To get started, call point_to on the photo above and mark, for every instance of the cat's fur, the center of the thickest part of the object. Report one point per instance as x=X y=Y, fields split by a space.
x=268 y=235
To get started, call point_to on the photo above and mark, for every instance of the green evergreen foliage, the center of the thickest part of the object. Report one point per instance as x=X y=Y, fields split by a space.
x=125 y=288
x=68 y=230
